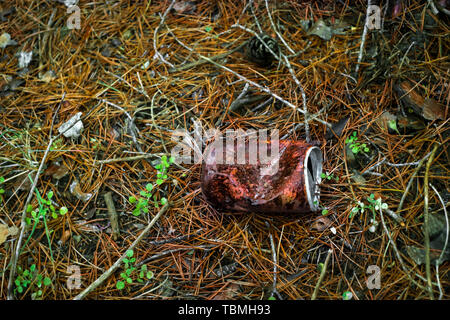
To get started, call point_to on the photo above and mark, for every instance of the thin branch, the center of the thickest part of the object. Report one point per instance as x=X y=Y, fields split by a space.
x=155 y=36
x=16 y=251
x=117 y=264
x=441 y=256
x=416 y=171
x=132 y=158
x=275 y=29
x=426 y=224
x=363 y=37
x=322 y=275
x=397 y=253
x=274 y=259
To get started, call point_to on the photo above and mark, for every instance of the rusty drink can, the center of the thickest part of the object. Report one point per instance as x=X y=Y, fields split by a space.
x=286 y=182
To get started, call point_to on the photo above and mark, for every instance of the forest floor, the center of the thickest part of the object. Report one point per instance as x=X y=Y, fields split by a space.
x=102 y=212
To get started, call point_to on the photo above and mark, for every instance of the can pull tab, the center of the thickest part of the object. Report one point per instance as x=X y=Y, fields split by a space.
x=313 y=164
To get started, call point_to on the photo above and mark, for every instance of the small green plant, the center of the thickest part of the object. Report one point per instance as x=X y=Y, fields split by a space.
x=393 y=125
x=374 y=206
x=360 y=207
x=142 y=203
x=147 y=196
x=162 y=169
x=45 y=207
x=31 y=278
x=347 y=295
x=354 y=145
x=324 y=210
x=144 y=274
x=57 y=144
x=2 y=191
x=129 y=272
x=329 y=176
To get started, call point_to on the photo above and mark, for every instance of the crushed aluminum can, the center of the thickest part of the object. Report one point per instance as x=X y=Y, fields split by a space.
x=288 y=183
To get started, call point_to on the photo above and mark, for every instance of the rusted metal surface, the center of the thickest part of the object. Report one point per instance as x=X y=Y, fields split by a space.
x=293 y=188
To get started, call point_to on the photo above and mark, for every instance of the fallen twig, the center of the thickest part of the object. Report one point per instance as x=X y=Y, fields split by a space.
x=274 y=259
x=155 y=36
x=426 y=223
x=132 y=158
x=112 y=214
x=275 y=29
x=322 y=275
x=439 y=261
x=363 y=37
x=444 y=249
x=16 y=251
x=116 y=264
x=421 y=162
x=397 y=253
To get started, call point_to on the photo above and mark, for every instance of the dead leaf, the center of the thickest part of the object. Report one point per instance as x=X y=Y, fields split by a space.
x=56 y=171
x=24 y=183
x=321 y=30
x=410 y=123
x=5 y=232
x=48 y=77
x=90 y=213
x=358 y=178
x=409 y=96
x=326 y=32
x=425 y=107
x=184 y=7
x=229 y=293
x=433 y=110
x=321 y=224
x=336 y=128
x=5 y=13
x=75 y=189
x=66 y=235
x=419 y=255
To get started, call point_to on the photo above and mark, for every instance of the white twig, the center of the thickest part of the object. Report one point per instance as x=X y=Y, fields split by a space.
x=444 y=249
x=132 y=127
x=254 y=16
x=302 y=91
x=275 y=29
x=260 y=87
x=446 y=225
x=274 y=259
x=288 y=65
x=376 y=165
x=363 y=38
x=155 y=36
x=397 y=253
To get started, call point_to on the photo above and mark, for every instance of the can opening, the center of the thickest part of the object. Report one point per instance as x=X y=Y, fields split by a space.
x=313 y=171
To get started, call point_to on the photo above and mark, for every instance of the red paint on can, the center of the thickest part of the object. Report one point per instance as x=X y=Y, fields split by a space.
x=292 y=188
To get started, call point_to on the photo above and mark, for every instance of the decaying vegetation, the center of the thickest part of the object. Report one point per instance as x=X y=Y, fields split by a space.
x=104 y=199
